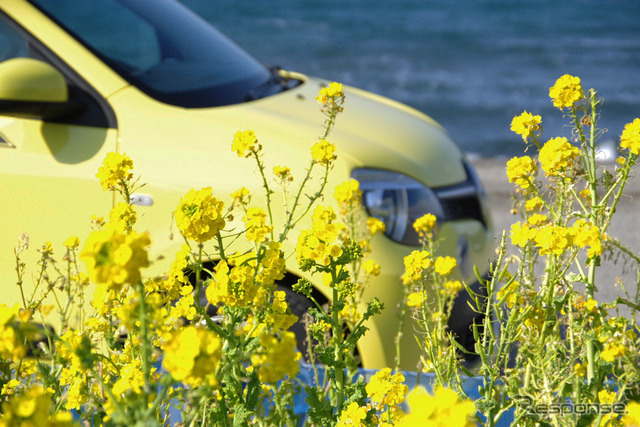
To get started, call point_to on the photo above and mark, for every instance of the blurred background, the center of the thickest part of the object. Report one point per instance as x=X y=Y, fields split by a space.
x=470 y=64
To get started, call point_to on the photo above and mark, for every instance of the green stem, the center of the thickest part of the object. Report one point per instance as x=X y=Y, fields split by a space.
x=337 y=333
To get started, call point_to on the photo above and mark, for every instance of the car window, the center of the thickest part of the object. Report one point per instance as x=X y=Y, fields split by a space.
x=11 y=44
x=163 y=48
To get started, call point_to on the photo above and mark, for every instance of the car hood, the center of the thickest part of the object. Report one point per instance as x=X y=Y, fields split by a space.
x=373 y=131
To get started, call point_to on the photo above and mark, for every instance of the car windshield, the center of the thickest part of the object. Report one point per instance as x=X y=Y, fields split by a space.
x=164 y=49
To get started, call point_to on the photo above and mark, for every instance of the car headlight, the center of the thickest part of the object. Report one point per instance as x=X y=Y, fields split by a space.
x=398 y=200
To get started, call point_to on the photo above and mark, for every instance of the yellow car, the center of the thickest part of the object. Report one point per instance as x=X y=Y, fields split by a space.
x=153 y=80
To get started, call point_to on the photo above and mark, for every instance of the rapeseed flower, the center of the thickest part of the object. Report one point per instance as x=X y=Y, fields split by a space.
x=192 y=356
x=444 y=408
x=277 y=357
x=199 y=215
x=414 y=265
x=386 y=389
x=352 y=415
x=375 y=226
x=348 y=193
x=425 y=224
x=630 y=137
x=245 y=143
x=283 y=173
x=255 y=222
x=320 y=243
x=586 y=234
x=323 y=152
x=566 y=91
x=123 y=216
x=114 y=258
x=556 y=156
x=445 y=265
x=415 y=299
x=521 y=234
x=115 y=171
x=521 y=170
x=553 y=239
x=526 y=125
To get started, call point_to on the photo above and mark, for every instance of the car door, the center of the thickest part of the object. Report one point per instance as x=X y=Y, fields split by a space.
x=48 y=188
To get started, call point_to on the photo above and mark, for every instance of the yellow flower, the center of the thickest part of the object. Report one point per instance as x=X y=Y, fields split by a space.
x=255 y=222
x=276 y=358
x=123 y=216
x=375 y=226
x=349 y=193
x=115 y=171
x=72 y=242
x=445 y=265
x=526 y=124
x=414 y=264
x=233 y=287
x=534 y=204
x=114 y=258
x=320 y=243
x=199 y=215
x=386 y=389
x=452 y=287
x=11 y=346
x=553 y=239
x=371 y=268
x=352 y=415
x=521 y=234
x=444 y=408
x=415 y=299
x=537 y=219
x=586 y=234
x=557 y=155
x=425 y=224
x=566 y=91
x=323 y=152
x=630 y=137
x=330 y=93
x=606 y=396
x=521 y=170
x=632 y=418
x=32 y=408
x=283 y=173
x=242 y=196
x=192 y=355
x=245 y=141
x=612 y=351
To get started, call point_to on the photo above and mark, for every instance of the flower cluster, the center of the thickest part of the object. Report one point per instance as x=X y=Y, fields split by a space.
x=566 y=91
x=199 y=215
x=526 y=125
x=255 y=223
x=522 y=170
x=245 y=143
x=114 y=258
x=443 y=408
x=331 y=96
x=192 y=355
x=323 y=152
x=320 y=243
x=630 y=137
x=115 y=171
x=415 y=264
x=557 y=156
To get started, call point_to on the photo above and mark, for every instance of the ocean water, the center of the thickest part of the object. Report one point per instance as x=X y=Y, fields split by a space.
x=470 y=64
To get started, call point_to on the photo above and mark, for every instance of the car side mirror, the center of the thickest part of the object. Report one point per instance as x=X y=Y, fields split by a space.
x=30 y=88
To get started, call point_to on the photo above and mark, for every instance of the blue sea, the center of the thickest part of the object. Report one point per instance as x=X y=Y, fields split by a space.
x=470 y=64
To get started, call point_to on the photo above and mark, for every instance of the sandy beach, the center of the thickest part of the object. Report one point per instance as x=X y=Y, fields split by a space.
x=625 y=226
